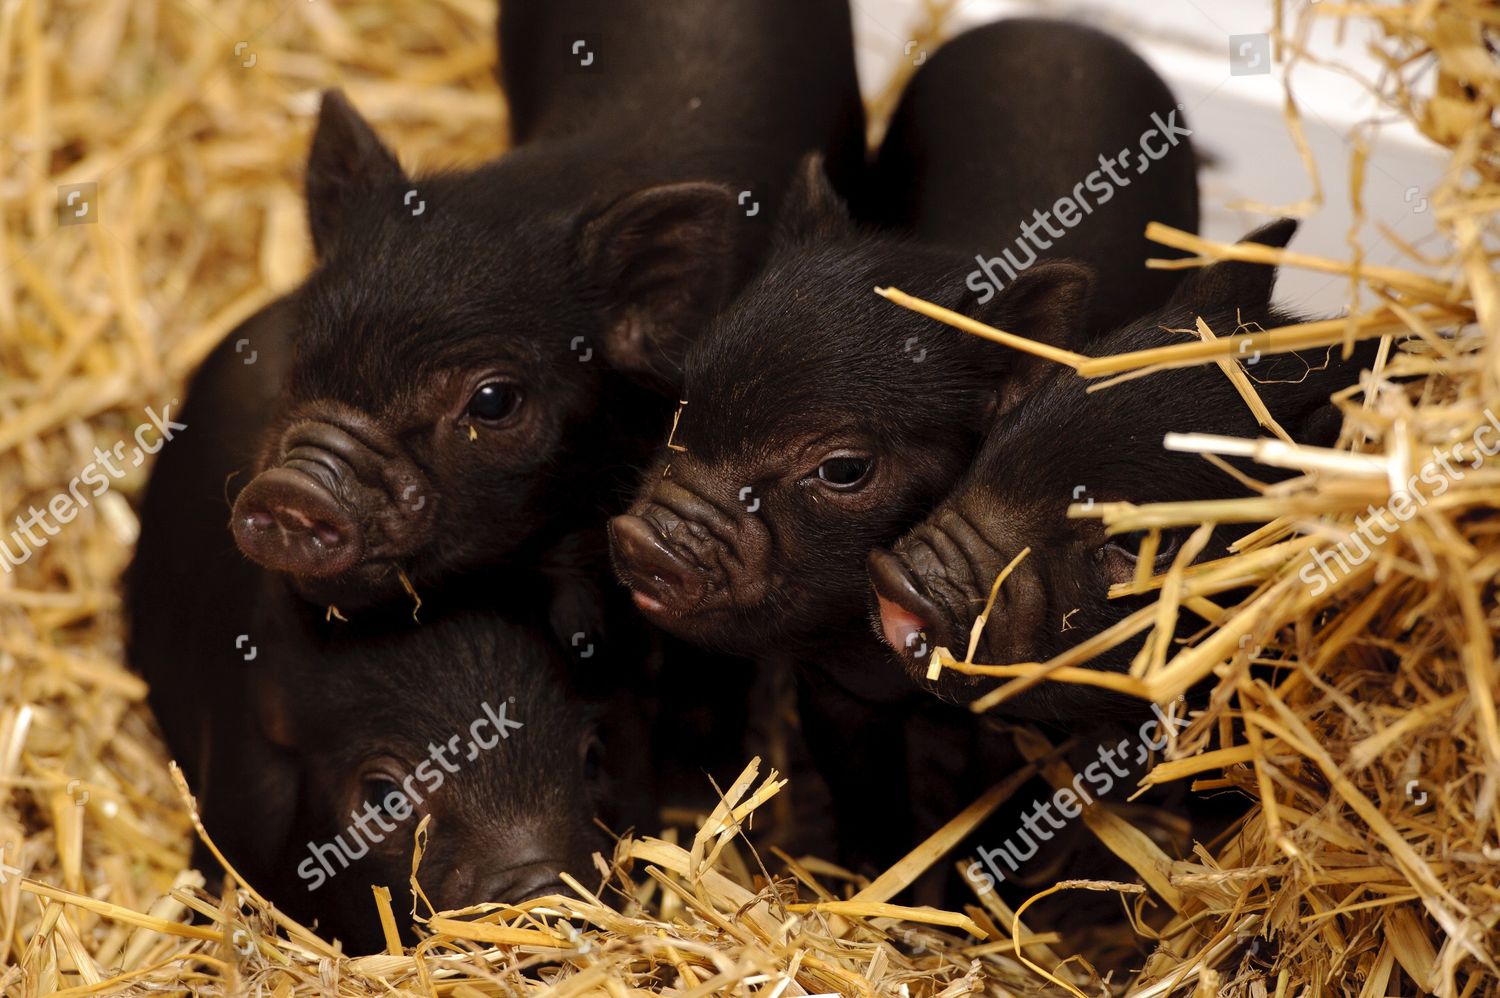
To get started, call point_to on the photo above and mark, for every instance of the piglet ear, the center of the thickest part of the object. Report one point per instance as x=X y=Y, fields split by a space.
x=1237 y=284
x=662 y=260
x=813 y=210
x=1048 y=303
x=347 y=160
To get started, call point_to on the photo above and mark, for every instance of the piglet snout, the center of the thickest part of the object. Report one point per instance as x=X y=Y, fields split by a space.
x=660 y=578
x=944 y=572
x=468 y=885
x=910 y=621
x=330 y=500
x=288 y=521
x=526 y=882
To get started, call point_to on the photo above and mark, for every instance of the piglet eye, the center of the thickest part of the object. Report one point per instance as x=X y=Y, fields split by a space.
x=494 y=402
x=1130 y=544
x=844 y=471
x=377 y=792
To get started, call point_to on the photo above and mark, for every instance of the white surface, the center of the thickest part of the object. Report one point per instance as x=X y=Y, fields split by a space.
x=1237 y=120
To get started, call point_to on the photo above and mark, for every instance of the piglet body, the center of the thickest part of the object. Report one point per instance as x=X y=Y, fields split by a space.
x=1066 y=443
x=822 y=422
x=1072 y=170
x=294 y=732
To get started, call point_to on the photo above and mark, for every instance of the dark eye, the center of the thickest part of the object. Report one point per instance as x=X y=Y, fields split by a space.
x=494 y=401
x=1130 y=544
x=844 y=471
x=377 y=793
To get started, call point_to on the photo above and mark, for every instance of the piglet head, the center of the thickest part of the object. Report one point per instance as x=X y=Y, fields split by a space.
x=819 y=422
x=468 y=356
x=1067 y=446
x=467 y=723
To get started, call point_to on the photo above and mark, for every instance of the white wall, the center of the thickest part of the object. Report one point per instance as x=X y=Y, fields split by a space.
x=1237 y=120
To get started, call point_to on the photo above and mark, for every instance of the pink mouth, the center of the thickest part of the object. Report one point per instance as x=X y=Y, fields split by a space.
x=647 y=603
x=903 y=630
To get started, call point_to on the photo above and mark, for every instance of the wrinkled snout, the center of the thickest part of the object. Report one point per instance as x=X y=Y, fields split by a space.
x=473 y=883
x=289 y=521
x=910 y=621
x=686 y=557
x=659 y=577
x=334 y=497
x=933 y=585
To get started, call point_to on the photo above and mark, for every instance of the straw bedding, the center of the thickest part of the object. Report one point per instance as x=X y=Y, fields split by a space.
x=1359 y=714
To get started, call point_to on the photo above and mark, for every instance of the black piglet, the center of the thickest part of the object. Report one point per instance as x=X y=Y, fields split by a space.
x=480 y=356
x=1067 y=444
